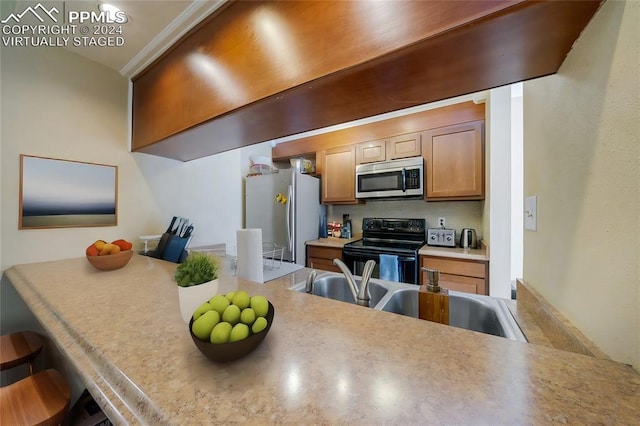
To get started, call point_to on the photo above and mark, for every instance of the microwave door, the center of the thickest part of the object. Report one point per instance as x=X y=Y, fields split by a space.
x=385 y=184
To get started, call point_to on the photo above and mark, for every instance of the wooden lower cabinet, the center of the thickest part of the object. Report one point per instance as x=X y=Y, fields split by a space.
x=470 y=276
x=322 y=258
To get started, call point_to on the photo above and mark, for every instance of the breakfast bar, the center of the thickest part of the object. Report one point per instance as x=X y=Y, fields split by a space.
x=323 y=361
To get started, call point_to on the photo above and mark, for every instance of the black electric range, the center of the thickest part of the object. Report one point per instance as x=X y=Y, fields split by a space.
x=401 y=238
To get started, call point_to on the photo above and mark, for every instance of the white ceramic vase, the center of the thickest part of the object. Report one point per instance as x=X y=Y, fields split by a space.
x=194 y=296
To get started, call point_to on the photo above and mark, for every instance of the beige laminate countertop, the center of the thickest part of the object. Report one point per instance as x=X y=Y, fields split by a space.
x=323 y=362
x=455 y=253
x=332 y=242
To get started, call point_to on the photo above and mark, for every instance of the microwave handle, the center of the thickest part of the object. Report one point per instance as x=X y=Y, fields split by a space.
x=404 y=180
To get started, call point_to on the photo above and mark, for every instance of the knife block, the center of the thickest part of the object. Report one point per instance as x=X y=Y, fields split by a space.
x=433 y=306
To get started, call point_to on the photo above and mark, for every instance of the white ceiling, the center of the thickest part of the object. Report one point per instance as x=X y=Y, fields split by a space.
x=152 y=27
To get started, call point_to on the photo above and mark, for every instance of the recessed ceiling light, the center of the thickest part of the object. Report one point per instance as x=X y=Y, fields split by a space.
x=114 y=13
x=109 y=8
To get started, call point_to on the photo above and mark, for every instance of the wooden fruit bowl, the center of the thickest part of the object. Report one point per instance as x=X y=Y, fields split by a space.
x=110 y=262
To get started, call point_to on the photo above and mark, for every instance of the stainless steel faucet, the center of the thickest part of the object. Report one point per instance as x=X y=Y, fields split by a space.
x=310 y=280
x=360 y=294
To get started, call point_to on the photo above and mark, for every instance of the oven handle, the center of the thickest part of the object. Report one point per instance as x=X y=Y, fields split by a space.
x=406 y=259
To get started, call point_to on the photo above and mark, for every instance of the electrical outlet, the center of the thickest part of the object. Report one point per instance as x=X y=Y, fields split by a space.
x=441 y=222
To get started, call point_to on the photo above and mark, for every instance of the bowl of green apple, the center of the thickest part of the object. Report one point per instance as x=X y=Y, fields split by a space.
x=229 y=326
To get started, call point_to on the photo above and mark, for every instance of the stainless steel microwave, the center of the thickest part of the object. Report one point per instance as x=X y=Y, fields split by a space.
x=394 y=178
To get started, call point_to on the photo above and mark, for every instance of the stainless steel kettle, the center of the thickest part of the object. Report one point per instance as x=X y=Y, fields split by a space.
x=468 y=238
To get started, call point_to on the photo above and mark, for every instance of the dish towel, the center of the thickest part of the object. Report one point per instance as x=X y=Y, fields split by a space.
x=389 y=267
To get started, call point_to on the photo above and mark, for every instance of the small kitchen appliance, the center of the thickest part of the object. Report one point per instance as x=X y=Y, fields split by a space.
x=468 y=238
x=441 y=237
x=397 y=237
x=391 y=179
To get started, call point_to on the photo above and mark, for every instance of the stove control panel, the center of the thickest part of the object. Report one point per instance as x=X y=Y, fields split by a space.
x=441 y=237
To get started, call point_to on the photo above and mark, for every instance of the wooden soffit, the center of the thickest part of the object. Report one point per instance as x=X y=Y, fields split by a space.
x=257 y=71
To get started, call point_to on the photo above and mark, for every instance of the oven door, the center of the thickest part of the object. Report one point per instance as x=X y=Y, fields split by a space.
x=408 y=265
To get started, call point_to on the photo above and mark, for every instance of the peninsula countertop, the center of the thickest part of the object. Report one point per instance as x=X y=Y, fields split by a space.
x=324 y=361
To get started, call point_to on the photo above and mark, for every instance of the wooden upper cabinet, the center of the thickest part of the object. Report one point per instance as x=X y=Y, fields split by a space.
x=454 y=159
x=404 y=146
x=370 y=152
x=393 y=148
x=259 y=70
x=337 y=167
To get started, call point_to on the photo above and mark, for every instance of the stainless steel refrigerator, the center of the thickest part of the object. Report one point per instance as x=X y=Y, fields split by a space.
x=286 y=206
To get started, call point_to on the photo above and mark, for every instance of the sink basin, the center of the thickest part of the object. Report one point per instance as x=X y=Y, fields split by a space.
x=336 y=287
x=473 y=312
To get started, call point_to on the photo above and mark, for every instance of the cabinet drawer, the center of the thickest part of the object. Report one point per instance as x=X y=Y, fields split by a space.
x=460 y=283
x=455 y=267
x=323 y=264
x=324 y=252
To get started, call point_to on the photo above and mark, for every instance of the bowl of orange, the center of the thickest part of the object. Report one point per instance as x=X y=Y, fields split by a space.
x=109 y=256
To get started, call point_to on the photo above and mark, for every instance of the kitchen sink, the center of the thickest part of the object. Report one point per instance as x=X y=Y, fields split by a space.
x=474 y=312
x=470 y=311
x=336 y=287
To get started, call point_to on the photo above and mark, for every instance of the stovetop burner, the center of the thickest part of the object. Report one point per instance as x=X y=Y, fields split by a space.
x=392 y=236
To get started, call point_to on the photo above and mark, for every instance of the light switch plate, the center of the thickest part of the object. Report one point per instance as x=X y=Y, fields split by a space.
x=531 y=213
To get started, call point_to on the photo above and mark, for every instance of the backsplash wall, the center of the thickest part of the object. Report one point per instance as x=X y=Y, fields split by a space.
x=457 y=214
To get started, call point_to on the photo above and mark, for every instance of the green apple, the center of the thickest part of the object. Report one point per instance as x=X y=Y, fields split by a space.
x=260 y=305
x=220 y=333
x=203 y=326
x=201 y=310
x=219 y=303
x=241 y=299
x=231 y=314
x=247 y=316
x=229 y=296
x=259 y=325
x=239 y=332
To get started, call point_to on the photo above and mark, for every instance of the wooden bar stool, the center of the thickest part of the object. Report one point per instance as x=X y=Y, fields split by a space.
x=19 y=348
x=40 y=399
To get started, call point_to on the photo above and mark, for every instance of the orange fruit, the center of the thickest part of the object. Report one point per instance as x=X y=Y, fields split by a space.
x=123 y=244
x=92 y=250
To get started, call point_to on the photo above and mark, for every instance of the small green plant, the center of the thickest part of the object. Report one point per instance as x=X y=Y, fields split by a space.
x=196 y=269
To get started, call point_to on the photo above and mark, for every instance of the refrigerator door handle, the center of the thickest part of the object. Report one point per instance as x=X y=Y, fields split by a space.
x=289 y=206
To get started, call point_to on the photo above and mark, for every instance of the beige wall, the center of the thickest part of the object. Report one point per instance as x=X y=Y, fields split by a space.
x=582 y=160
x=458 y=214
x=57 y=104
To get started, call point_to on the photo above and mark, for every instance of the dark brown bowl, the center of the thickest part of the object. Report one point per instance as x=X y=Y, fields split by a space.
x=223 y=352
x=110 y=262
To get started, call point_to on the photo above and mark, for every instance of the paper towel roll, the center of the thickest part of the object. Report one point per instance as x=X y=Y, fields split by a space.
x=249 y=245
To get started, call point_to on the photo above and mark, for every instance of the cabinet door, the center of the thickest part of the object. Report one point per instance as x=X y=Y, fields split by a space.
x=338 y=175
x=454 y=157
x=370 y=152
x=404 y=146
